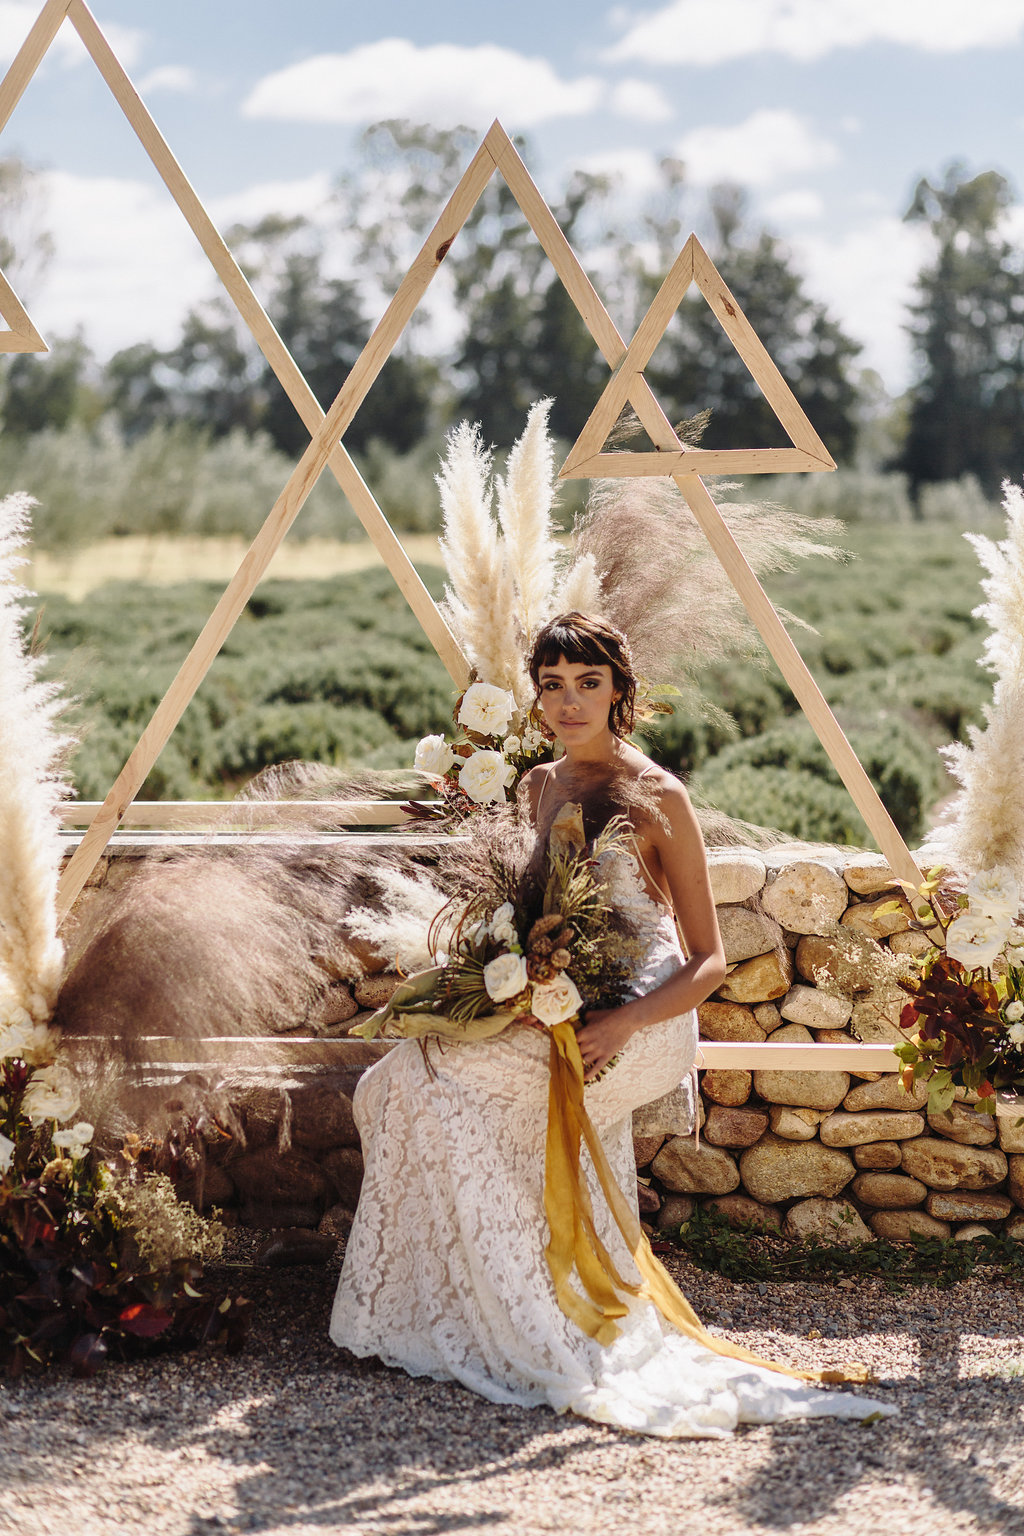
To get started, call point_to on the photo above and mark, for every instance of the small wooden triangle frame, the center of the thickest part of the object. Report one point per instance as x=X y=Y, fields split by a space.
x=808 y=453
x=325 y=450
x=22 y=335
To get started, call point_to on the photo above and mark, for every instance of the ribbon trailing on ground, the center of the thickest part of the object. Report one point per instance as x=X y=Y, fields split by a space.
x=574 y=1243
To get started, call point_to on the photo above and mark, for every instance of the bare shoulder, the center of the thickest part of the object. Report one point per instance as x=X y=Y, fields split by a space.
x=531 y=785
x=673 y=802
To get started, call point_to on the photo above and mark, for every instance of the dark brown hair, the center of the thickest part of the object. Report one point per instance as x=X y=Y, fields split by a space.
x=587 y=641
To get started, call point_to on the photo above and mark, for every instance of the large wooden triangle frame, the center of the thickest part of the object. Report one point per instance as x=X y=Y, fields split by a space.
x=496 y=153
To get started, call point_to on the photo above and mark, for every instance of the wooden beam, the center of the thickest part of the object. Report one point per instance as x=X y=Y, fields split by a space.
x=694 y=461
x=172 y=815
x=29 y=56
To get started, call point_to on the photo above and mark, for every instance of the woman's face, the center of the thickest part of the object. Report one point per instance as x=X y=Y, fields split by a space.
x=576 y=700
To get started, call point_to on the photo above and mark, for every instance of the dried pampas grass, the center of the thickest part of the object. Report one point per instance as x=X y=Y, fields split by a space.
x=526 y=496
x=983 y=827
x=481 y=601
x=32 y=751
x=663 y=585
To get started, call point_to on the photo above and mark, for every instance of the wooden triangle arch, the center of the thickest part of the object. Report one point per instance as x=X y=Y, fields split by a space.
x=22 y=335
x=496 y=152
x=808 y=453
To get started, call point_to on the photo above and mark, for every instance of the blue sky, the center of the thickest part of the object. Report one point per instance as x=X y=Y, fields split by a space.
x=828 y=110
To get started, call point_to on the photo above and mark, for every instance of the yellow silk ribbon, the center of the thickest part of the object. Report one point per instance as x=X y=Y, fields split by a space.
x=574 y=1244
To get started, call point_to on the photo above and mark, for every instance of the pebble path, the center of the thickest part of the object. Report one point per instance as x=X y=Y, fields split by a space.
x=293 y=1438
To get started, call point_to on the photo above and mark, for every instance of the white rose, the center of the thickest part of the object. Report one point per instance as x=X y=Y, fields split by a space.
x=505 y=977
x=6 y=1152
x=1015 y=1034
x=995 y=893
x=974 y=940
x=486 y=709
x=74 y=1140
x=434 y=756
x=1014 y=1011
x=1015 y=957
x=1016 y=934
x=502 y=920
x=513 y=745
x=555 y=1000
x=485 y=777
x=50 y=1095
x=533 y=740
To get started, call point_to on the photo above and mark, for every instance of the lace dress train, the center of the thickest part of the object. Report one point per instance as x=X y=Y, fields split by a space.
x=445 y=1273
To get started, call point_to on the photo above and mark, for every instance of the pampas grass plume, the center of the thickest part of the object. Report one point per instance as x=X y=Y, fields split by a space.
x=31 y=788
x=481 y=600
x=983 y=826
x=525 y=498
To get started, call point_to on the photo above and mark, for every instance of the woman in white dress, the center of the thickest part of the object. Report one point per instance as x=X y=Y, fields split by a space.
x=445 y=1271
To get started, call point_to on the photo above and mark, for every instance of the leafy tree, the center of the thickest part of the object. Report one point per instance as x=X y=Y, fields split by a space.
x=216 y=377
x=967 y=408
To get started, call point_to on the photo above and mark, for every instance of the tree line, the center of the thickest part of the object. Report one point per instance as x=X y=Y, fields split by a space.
x=519 y=335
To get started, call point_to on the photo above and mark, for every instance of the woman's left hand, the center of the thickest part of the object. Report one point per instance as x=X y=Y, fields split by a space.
x=600 y=1037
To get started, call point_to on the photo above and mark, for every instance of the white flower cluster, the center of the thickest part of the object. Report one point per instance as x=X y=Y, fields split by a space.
x=486 y=773
x=988 y=924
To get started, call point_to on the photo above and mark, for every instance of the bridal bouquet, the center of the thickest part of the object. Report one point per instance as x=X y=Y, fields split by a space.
x=537 y=947
x=965 y=1019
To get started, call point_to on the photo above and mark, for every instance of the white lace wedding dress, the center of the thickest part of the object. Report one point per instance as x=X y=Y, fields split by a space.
x=445 y=1273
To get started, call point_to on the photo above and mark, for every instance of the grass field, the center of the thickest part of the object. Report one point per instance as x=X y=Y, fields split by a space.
x=327 y=662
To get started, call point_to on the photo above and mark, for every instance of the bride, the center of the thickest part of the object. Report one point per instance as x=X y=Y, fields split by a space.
x=445 y=1271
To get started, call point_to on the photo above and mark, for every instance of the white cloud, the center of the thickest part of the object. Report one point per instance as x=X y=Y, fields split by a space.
x=170 y=77
x=17 y=17
x=801 y=206
x=290 y=198
x=642 y=101
x=766 y=148
x=866 y=278
x=699 y=32
x=444 y=84
x=127 y=267
x=635 y=170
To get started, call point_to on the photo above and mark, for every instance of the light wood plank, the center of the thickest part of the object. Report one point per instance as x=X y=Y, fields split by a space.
x=22 y=336
x=182 y=815
x=29 y=56
x=700 y=461
x=740 y=1055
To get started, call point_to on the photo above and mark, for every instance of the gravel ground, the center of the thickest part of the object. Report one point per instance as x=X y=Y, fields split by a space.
x=294 y=1437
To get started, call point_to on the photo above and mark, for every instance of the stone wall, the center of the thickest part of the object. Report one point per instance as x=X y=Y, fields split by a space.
x=812 y=958
x=825 y=1152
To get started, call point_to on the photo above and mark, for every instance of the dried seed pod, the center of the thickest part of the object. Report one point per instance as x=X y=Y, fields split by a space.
x=543 y=927
x=560 y=958
x=541 y=947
